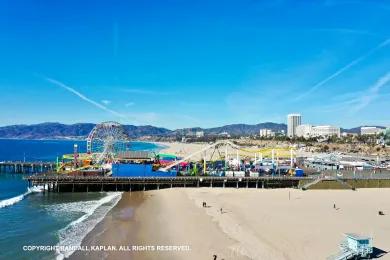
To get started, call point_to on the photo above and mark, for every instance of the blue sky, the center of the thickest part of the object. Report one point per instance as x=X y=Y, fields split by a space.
x=195 y=63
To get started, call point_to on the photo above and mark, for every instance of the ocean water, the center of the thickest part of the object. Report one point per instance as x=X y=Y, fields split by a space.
x=29 y=217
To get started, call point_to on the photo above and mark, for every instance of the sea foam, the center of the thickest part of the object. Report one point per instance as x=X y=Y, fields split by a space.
x=94 y=211
x=16 y=199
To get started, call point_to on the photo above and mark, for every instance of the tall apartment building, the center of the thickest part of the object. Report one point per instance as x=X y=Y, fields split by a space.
x=293 y=120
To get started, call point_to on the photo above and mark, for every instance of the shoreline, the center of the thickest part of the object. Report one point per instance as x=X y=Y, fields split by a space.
x=271 y=224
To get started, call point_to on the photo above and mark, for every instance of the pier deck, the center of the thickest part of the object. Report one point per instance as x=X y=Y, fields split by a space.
x=57 y=183
x=27 y=167
x=63 y=183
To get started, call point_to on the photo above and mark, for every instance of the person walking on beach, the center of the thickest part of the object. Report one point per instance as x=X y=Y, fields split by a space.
x=221 y=210
x=334 y=205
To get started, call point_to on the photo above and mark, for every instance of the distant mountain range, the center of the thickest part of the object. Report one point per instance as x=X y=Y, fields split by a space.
x=81 y=130
x=236 y=129
x=61 y=131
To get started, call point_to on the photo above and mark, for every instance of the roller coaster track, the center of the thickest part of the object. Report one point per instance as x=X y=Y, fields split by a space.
x=215 y=145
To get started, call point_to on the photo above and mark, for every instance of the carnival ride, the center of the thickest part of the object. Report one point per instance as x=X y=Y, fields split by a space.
x=104 y=143
x=106 y=140
x=230 y=155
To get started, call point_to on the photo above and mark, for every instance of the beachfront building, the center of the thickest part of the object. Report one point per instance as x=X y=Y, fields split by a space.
x=266 y=133
x=326 y=131
x=370 y=130
x=304 y=131
x=293 y=120
x=199 y=134
x=308 y=131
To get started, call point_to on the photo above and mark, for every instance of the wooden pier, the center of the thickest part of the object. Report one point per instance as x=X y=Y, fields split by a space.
x=57 y=183
x=27 y=167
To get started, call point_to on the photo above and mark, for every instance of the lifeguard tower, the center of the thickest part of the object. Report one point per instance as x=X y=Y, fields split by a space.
x=354 y=246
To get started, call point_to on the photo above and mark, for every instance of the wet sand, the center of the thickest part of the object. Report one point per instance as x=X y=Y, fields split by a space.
x=253 y=224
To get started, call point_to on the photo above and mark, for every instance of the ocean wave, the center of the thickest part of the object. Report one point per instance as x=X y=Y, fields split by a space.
x=16 y=199
x=74 y=233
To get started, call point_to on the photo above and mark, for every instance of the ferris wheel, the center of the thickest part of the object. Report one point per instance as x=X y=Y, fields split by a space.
x=106 y=140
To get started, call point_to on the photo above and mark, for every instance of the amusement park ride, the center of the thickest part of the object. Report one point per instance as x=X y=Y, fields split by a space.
x=104 y=143
x=108 y=144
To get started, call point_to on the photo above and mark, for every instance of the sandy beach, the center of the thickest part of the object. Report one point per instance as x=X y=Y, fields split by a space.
x=182 y=149
x=253 y=224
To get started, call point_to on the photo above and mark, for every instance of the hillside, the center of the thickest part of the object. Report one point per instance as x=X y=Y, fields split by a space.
x=81 y=130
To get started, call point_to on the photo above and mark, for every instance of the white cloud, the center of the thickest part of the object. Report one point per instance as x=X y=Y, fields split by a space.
x=372 y=92
x=83 y=97
x=129 y=104
x=353 y=102
x=343 y=69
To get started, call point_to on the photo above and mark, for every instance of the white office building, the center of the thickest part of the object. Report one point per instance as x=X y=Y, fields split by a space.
x=266 y=133
x=326 y=130
x=308 y=131
x=199 y=134
x=304 y=130
x=370 y=130
x=293 y=120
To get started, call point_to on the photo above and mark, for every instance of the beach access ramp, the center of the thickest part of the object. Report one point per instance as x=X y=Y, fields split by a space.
x=308 y=185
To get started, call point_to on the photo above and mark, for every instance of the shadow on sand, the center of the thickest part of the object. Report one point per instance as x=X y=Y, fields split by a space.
x=377 y=253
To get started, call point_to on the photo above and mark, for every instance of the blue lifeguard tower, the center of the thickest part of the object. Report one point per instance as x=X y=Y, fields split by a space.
x=354 y=246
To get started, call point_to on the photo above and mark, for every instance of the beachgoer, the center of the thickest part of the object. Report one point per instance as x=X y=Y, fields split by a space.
x=221 y=210
x=334 y=205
